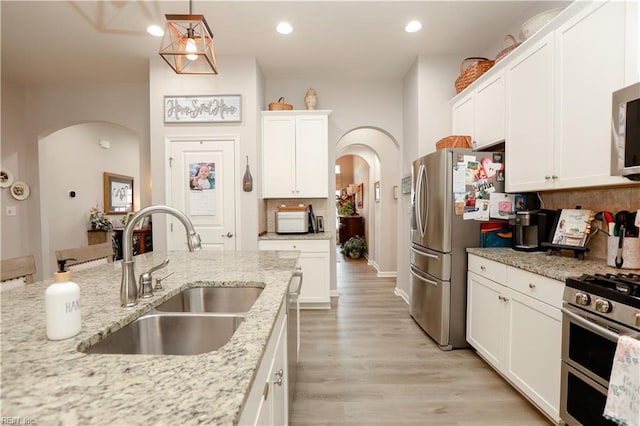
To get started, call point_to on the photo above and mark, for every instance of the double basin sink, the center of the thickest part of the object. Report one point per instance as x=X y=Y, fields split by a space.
x=194 y=321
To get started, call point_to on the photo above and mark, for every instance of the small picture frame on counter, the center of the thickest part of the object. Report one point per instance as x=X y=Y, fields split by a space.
x=319 y=224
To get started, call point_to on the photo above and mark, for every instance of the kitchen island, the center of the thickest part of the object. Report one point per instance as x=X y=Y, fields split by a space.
x=53 y=382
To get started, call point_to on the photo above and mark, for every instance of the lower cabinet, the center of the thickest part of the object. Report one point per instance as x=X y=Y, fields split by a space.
x=267 y=403
x=315 y=264
x=516 y=325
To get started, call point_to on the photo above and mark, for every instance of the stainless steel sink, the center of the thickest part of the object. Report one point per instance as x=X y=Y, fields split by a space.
x=170 y=334
x=212 y=299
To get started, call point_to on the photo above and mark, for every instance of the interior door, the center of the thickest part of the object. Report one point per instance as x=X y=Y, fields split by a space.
x=202 y=182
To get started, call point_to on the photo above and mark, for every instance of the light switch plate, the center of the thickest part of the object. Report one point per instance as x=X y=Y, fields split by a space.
x=10 y=211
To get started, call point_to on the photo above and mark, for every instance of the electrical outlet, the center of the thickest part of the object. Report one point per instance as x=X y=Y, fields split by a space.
x=10 y=211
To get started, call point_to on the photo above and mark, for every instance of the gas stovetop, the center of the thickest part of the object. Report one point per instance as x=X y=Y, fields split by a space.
x=614 y=296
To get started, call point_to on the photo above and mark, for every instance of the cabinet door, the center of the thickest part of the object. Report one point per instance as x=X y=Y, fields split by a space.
x=534 y=341
x=591 y=65
x=315 y=280
x=278 y=156
x=489 y=112
x=279 y=383
x=486 y=318
x=462 y=117
x=529 y=139
x=312 y=156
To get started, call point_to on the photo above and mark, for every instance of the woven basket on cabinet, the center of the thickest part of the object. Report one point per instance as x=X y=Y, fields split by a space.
x=454 y=141
x=472 y=72
x=280 y=105
x=506 y=50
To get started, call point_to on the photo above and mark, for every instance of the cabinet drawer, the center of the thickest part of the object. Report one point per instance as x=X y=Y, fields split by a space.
x=304 y=246
x=544 y=289
x=490 y=269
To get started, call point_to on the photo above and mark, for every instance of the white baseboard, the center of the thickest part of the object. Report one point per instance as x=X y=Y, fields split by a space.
x=334 y=293
x=402 y=294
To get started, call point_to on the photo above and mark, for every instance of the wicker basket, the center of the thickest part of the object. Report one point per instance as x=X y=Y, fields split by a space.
x=472 y=72
x=279 y=106
x=506 y=50
x=454 y=141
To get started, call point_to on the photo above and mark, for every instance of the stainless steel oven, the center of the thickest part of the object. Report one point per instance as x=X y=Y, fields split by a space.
x=593 y=318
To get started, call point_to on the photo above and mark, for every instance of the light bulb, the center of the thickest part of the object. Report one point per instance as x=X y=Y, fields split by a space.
x=191 y=47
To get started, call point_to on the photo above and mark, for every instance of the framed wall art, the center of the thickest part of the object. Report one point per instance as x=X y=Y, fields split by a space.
x=203 y=109
x=19 y=190
x=118 y=193
x=376 y=191
x=6 y=178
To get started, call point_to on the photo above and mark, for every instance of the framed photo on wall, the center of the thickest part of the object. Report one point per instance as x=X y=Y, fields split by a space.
x=118 y=193
x=376 y=191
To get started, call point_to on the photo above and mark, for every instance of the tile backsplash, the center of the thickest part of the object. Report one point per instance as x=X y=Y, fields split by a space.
x=320 y=206
x=597 y=199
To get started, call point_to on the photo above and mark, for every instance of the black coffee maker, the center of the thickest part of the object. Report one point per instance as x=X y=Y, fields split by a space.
x=533 y=227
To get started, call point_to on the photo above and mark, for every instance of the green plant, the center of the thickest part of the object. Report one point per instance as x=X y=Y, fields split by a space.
x=99 y=221
x=354 y=246
x=346 y=209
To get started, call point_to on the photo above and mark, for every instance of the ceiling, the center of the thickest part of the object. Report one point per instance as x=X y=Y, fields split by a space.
x=57 y=42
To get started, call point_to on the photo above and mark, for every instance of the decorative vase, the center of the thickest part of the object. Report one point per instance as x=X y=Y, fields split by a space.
x=310 y=99
x=354 y=254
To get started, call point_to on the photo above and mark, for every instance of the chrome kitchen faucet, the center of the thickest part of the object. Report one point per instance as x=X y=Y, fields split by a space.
x=128 y=287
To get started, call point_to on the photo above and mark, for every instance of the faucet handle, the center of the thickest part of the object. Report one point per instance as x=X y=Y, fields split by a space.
x=145 y=281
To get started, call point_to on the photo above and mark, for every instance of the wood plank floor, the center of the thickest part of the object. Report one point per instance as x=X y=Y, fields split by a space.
x=366 y=362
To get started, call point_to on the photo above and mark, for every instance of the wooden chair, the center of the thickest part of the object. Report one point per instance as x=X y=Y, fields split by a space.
x=86 y=257
x=17 y=271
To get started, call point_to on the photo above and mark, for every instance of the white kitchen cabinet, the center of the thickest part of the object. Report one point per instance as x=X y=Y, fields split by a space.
x=559 y=99
x=267 y=403
x=514 y=322
x=530 y=97
x=590 y=57
x=295 y=154
x=315 y=263
x=481 y=113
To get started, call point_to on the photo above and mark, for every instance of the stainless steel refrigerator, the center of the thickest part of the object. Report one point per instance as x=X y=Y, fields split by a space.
x=447 y=187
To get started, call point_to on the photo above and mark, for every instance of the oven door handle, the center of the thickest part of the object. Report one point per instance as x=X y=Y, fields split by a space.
x=598 y=329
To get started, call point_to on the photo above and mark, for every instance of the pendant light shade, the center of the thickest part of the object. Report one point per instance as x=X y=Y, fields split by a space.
x=187 y=45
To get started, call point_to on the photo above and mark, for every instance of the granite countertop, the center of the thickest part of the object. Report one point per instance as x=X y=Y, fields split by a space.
x=557 y=266
x=310 y=236
x=51 y=382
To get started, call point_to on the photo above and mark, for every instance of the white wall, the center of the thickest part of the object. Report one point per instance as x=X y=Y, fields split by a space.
x=30 y=113
x=237 y=75
x=66 y=221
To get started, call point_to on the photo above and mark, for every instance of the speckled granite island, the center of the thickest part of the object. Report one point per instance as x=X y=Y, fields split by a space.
x=52 y=382
x=557 y=266
x=309 y=236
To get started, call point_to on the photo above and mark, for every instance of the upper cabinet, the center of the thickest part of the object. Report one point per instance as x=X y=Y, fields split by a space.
x=557 y=90
x=480 y=113
x=295 y=154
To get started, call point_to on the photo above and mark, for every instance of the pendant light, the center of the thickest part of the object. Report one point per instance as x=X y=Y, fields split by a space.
x=187 y=45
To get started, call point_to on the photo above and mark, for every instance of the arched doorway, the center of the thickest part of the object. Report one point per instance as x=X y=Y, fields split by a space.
x=381 y=153
x=74 y=158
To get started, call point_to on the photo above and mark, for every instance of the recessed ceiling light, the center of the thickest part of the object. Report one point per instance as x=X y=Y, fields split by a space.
x=413 y=27
x=155 y=30
x=284 y=28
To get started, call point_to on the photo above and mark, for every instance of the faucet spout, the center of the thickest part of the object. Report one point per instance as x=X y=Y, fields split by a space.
x=128 y=286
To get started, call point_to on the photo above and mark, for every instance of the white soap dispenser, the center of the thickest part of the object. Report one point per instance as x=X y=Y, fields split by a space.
x=62 y=299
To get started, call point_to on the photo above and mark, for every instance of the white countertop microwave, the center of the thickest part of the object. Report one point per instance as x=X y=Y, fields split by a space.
x=625 y=132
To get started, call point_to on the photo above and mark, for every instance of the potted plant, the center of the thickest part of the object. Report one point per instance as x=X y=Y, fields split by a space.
x=99 y=221
x=354 y=247
x=346 y=209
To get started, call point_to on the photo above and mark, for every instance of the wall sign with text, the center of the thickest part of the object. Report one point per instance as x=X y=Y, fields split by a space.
x=203 y=109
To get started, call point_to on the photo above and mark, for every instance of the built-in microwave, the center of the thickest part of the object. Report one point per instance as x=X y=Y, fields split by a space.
x=625 y=132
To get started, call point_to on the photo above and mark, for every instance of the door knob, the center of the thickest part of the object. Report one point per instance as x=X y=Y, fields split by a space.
x=228 y=235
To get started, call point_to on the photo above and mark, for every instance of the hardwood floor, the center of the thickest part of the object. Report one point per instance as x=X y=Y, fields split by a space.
x=366 y=362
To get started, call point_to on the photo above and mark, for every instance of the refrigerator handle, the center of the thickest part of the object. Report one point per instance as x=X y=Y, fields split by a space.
x=425 y=191
x=418 y=200
x=433 y=256
x=433 y=283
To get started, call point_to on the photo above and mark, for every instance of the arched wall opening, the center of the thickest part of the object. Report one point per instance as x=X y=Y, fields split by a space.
x=74 y=158
x=381 y=152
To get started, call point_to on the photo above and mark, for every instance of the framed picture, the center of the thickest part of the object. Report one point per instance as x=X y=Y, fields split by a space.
x=118 y=193
x=19 y=190
x=320 y=223
x=6 y=178
x=376 y=191
x=203 y=109
x=359 y=195
x=395 y=192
